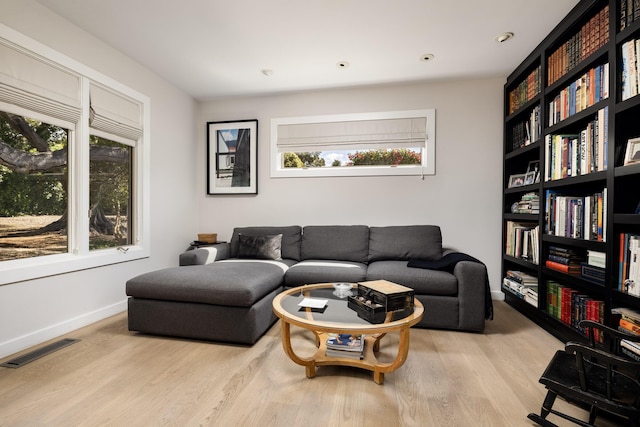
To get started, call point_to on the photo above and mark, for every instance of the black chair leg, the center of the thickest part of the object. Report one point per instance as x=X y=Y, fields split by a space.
x=541 y=420
x=548 y=403
x=593 y=413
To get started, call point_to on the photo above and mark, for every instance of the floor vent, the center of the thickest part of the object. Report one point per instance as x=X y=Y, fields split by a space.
x=37 y=354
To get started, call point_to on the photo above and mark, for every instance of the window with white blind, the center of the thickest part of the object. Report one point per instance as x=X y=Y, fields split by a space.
x=73 y=164
x=386 y=143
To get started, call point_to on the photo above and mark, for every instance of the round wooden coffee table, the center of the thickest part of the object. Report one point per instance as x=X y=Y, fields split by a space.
x=336 y=317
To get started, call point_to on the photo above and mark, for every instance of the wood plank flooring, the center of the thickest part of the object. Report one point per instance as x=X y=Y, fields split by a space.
x=113 y=377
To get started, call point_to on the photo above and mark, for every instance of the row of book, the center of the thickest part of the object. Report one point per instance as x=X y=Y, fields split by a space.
x=522 y=241
x=629 y=322
x=523 y=285
x=578 y=154
x=629 y=264
x=592 y=35
x=526 y=90
x=350 y=346
x=630 y=77
x=589 y=89
x=570 y=306
x=526 y=132
x=629 y=12
x=578 y=217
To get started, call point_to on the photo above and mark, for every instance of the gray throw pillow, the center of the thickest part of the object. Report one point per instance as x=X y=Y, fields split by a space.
x=260 y=247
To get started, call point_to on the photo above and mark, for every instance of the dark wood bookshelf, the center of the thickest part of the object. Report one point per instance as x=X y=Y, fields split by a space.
x=620 y=181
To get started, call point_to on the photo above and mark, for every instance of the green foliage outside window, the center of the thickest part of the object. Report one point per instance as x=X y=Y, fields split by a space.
x=401 y=156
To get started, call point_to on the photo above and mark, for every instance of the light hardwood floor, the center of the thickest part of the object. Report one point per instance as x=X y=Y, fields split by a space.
x=118 y=378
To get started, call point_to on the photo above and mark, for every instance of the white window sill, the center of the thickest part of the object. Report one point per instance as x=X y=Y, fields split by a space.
x=402 y=170
x=51 y=265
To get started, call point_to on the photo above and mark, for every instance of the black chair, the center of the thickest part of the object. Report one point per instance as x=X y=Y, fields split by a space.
x=594 y=379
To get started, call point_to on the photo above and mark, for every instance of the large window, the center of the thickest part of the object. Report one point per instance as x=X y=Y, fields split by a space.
x=73 y=164
x=33 y=188
x=390 y=143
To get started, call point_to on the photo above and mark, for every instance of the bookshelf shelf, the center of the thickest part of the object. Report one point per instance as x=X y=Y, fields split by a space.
x=585 y=47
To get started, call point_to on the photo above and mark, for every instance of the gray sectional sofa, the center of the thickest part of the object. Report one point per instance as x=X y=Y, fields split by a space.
x=224 y=292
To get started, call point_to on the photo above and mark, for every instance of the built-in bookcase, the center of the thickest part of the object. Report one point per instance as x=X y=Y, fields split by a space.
x=571 y=119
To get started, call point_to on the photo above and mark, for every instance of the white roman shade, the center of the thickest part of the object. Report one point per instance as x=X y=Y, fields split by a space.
x=114 y=113
x=353 y=134
x=37 y=84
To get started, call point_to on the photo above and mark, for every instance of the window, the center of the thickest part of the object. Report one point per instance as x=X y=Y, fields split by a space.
x=33 y=187
x=390 y=143
x=73 y=168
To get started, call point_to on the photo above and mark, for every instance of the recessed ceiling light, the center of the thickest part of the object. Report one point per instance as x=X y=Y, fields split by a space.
x=501 y=38
x=266 y=71
x=342 y=64
x=426 y=57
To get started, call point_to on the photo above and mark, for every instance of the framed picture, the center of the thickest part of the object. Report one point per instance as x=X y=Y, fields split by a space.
x=534 y=166
x=516 y=180
x=633 y=151
x=530 y=177
x=232 y=157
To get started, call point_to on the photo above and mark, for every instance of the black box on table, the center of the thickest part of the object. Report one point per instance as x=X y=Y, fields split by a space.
x=375 y=299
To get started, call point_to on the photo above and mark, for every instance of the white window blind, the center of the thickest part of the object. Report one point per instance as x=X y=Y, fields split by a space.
x=36 y=84
x=353 y=134
x=114 y=113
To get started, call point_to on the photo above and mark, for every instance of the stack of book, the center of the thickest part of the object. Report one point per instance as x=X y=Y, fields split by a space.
x=564 y=260
x=629 y=323
x=594 y=269
x=523 y=285
x=529 y=204
x=345 y=345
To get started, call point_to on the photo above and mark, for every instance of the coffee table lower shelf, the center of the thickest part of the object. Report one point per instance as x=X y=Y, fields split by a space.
x=369 y=361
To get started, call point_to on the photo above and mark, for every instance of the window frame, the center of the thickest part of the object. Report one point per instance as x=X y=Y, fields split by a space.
x=79 y=257
x=428 y=154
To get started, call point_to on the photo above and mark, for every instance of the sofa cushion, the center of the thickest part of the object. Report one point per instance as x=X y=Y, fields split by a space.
x=260 y=247
x=324 y=271
x=335 y=242
x=219 y=283
x=424 y=282
x=290 y=245
x=405 y=242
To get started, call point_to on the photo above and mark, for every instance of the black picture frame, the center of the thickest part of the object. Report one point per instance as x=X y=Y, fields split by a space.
x=232 y=157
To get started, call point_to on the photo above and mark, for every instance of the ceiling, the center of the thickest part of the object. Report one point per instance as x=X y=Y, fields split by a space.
x=216 y=48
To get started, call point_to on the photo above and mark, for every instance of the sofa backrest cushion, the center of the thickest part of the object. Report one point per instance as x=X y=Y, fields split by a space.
x=290 y=243
x=404 y=242
x=336 y=242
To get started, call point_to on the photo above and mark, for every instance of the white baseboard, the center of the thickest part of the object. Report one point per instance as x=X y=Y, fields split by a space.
x=497 y=295
x=37 y=337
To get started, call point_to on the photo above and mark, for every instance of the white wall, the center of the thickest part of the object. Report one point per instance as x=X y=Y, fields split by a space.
x=34 y=311
x=463 y=198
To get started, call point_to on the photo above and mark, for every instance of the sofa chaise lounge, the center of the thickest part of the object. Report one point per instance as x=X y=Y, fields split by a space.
x=224 y=292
